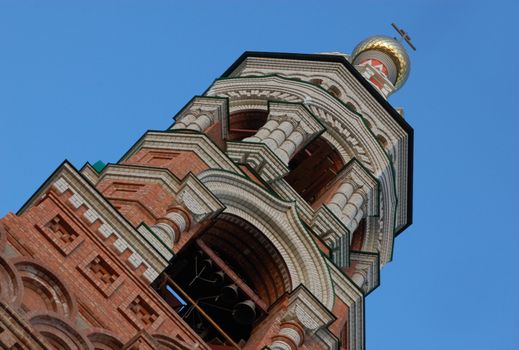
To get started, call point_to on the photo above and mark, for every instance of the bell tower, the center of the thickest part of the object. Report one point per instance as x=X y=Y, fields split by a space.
x=260 y=218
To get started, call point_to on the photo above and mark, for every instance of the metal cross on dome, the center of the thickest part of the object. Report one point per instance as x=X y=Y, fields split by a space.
x=404 y=36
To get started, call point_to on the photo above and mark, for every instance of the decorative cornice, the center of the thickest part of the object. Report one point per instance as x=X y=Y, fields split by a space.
x=333 y=232
x=346 y=127
x=185 y=141
x=356 y=90
x=215 y=108
x=259 y=157
x=67 y=178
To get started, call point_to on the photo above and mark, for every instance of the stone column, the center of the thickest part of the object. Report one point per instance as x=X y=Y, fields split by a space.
x=347 y=204
x=170 y=227
x=283 y=137
x=198 y=123
x=289 y=337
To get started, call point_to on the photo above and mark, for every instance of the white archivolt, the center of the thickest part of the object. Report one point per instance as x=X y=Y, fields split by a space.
x=344 y=128
x=279 y=222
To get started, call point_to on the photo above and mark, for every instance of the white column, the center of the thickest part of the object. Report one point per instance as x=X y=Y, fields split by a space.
x=199 y=123
x=169 y=228
x=340 y=198
x=165 y=232
x=347 y=205
x=353 y=213
x=263 y=132
x=284 y=138
x=184 y=122
x=290 y=337
x=291 y=144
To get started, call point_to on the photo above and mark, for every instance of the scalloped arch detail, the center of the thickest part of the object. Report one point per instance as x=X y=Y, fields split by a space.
x=43 y=291
x=103 y=339
x=58 y=332
x=11 y=287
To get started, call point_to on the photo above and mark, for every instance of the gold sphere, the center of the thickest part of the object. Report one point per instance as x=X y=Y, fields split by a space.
x=391 y=47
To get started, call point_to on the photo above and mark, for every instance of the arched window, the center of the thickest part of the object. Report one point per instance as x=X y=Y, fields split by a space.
x=245 y=124
x=312 y=168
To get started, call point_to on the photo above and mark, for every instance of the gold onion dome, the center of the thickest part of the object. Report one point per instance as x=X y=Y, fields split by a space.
x=391 y=47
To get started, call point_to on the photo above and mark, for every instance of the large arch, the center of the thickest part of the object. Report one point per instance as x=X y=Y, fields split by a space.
x=279 y=222
x=245 y=123
x=247 y=250
x=346 y=131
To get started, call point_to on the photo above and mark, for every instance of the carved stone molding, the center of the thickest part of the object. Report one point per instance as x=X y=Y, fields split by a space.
x=202 y=112
x=259 y=157
x=346 y=127
x=366 y=270
x=307 y=312
x=280 y=223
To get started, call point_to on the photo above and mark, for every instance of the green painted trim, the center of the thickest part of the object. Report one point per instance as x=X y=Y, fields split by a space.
x=99 y=166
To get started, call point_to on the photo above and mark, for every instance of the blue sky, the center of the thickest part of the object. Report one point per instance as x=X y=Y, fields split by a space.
x=84 y=80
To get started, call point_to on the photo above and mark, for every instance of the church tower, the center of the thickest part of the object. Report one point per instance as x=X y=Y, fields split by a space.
x=260 y=219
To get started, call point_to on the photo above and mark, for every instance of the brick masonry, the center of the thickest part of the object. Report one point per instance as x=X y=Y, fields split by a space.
x=77 y=262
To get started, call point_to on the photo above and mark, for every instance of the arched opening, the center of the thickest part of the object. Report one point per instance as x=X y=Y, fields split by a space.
x=245 y=124
x=224 y=282
x=58 y=332
x=357 y=238
x=43 y=291
x=312 y=169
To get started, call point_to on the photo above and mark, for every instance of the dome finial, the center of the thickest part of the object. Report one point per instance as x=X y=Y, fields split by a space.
x=385 y=54
x=387 y=59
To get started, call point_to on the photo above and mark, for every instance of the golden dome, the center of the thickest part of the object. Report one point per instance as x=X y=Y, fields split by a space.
x=392 y=48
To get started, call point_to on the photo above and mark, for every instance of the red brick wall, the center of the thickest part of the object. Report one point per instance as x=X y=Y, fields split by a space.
x=92 y=285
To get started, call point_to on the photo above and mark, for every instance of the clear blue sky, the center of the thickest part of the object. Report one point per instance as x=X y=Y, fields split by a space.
x=84 y=80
